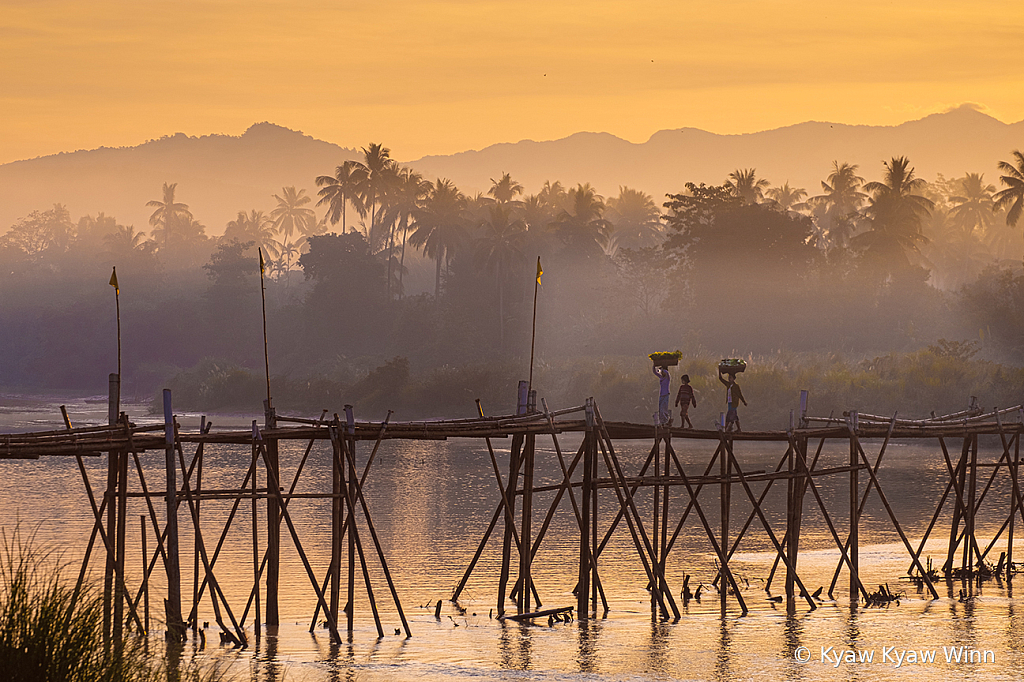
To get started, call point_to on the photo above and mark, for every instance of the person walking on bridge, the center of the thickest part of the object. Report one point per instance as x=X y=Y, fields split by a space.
x=663 y=417
x=733 y=396
x=684 y=397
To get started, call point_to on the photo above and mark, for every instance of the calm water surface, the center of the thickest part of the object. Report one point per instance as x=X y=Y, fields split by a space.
x=431 y=503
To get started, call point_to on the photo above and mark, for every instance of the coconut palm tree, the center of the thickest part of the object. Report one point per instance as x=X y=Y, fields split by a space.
x=340 y=190
x=291 y=215
x=788 y=198
x=896 y=211
x=973 y=207
x=125 y=240
x=554 y=196
x=1013 y=195
x=636 y=219
x=406 y=196
x=744 y=184
x=500 y=251
x=374 y=174
x=505 y=190
x=440 y=225
x=584 y=229
x=168 y=214
x=256 y=228
x=841 y=200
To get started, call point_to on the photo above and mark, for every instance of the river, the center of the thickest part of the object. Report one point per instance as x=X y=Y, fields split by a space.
x=431 y=503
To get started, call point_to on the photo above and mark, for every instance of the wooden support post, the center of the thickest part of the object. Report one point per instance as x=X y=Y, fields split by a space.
x=593 y=516
x=1014 y=472
x=655 y=525
x=255 y=534
x=172 y=606
x=663 y=554
x=119 y=544
x=725 y=501
x=794 y=516
x=971 y=538
x=583 y=585
x=145 y=575
x=525 y=527
x=960 y=488
x=198 y=464
x=352 y=479
x=853 y=546
x=506 y=545
x=113 y=409
x=273 y=520
x=337 y=518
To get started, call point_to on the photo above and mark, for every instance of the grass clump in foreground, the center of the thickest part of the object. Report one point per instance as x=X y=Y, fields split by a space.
x=47 y=635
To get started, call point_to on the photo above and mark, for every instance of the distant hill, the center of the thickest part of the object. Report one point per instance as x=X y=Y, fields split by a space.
x=953 y=143
x=218 y=175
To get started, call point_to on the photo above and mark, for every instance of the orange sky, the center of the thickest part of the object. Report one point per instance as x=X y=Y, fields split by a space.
x=431 y=77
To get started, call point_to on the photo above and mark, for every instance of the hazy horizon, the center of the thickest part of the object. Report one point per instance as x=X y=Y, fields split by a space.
x=437 y=78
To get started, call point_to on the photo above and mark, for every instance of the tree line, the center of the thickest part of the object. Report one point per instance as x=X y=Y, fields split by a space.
x=731 y=267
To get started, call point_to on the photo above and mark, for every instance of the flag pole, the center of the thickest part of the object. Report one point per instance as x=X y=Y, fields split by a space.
x=533 y=333
x=117 y=304
x=266 y=351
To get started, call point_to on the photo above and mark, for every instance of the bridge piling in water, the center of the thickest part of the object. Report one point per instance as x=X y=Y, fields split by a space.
x=624 y=499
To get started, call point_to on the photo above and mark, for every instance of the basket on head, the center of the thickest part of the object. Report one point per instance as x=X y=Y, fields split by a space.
x=731 y=366
x=666 y=359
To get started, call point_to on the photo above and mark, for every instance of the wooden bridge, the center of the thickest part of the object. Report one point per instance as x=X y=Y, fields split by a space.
x=594 y=470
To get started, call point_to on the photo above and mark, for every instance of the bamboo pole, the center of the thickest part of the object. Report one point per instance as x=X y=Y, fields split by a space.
x=172 y=605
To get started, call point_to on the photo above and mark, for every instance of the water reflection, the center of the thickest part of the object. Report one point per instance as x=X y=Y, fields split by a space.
x=588 y=632
x=515 y=645
x=723 y=659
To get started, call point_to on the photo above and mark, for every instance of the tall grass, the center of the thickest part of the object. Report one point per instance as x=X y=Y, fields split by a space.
x=939 y=378
x=47 y=635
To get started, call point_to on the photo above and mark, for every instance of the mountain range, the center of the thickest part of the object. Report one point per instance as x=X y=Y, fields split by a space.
x=219 y=175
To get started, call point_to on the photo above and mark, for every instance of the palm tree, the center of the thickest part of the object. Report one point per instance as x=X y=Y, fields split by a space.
x=291 y=216
x=1013 y=195
x=339 y=191
x=125 y=239
x=744 y=184
x=500 y=251
x=440 y=225
x=254 y=227
x=788 y=198
x=841 y=201
x=168 y=214
x=554 y=196
x=636 y=218
x=896 y=212
x=973 y=208
x=584 y=229
x=374 y=174
x=407 y=194
x=504 y=190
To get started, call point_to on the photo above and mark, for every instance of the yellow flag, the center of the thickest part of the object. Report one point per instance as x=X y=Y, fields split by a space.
x=113 y=281
x=539 y=271
x=262 y=267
